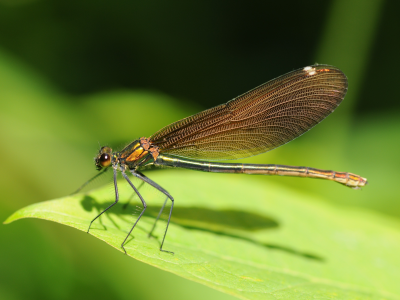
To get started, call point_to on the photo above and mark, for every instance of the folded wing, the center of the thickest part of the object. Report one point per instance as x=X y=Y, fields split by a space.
x=260 y=120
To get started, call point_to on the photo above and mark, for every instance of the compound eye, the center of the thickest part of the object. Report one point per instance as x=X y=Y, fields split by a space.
x=105 y=160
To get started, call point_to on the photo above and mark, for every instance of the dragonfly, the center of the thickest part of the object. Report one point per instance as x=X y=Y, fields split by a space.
x=258 y=121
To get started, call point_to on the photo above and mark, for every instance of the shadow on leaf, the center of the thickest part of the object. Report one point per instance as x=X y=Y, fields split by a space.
x=230 y=223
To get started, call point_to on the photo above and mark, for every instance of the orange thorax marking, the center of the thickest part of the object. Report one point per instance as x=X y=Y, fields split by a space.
x=137 y=154
x=145 y=142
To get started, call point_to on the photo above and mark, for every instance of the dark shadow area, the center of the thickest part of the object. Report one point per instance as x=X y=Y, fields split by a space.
x=89 y=203
x=196 y=217
x=267 y=245
x=230 y=223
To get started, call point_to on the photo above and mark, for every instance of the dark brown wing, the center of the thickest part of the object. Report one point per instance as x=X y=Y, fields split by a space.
x=258 y=121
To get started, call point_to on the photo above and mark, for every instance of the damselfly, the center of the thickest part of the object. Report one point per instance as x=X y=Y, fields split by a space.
x=258 y=121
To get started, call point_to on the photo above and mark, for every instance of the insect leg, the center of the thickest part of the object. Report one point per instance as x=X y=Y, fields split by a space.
x=116 y=199
x=144 y=207
x=89 y=181
x=133 y=194
x=159 y=214
x=155 y=185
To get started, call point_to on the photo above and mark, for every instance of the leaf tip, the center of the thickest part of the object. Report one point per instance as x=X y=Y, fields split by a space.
x=15 y=216
x=9 y=219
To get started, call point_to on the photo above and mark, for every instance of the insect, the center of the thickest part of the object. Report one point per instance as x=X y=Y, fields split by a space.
x=260 y=120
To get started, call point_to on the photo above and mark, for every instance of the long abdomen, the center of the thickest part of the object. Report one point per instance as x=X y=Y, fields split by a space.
x=348 y=179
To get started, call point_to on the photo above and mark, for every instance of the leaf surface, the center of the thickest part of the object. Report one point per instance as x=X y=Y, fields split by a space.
x=245 y=238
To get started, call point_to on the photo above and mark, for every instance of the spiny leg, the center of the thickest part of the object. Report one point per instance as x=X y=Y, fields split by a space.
x=144 y=207
x=166 y=229
x=116 y=199
x=155 y=185
x=159 y=214
x=133 y=194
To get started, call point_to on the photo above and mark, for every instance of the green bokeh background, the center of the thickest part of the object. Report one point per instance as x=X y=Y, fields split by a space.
x=78 y=73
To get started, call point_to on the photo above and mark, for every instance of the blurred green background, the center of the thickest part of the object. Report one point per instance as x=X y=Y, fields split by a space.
x=74 y=74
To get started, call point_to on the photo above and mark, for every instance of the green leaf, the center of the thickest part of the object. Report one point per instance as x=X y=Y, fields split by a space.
x=245 y=238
